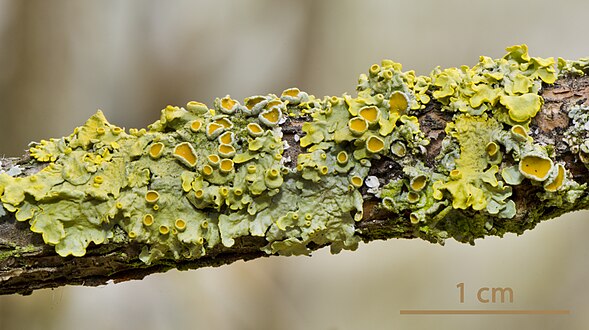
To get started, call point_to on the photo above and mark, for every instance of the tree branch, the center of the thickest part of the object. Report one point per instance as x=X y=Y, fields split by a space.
x=27 y=263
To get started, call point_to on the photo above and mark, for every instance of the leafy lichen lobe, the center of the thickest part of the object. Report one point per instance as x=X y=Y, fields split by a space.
x=200 y=177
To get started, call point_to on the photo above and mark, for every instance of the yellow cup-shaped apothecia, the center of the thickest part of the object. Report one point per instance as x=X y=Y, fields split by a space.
x=342 y=158
x=207 y=170
x=152 y=196
x=291 y=92
x=228 y=105
x=226 y=138
x=492 y=148
x=358 y=125
x=398 y=103
x=370 y=113
x=180 y=224
x=413 y=197
x=226 y=150
x=414 y=218
x=226 y=123
x=558 y=180
x=455 y=174
x=213 y=159
x=148 y=220
x=199 y=193
x=272 y=173
x=518 y=132
x=185 y=153
x=226 y=166
x=270 y=117
x=197 y=107
x=164 y=230
x=155 y=150
x=374 y=144
x=214 y=129
x=254 y=129
x=356 y=181
x=195 y=125
x=254 y=104
x=418 y=182
x=535 y=167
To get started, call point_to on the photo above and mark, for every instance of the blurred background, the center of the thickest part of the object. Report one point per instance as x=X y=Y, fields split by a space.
x=62 y=60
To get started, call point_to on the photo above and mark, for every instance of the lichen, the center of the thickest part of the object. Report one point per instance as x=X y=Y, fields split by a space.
x=578 y=67
x=577 y=135
x=200 y=177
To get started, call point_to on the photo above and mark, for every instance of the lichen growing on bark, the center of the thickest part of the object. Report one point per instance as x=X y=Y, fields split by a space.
x=199 y=177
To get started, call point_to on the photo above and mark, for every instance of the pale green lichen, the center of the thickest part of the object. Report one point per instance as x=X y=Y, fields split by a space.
x=577 y=135
x=493 y=102
x=199 y=177
x=578 y=67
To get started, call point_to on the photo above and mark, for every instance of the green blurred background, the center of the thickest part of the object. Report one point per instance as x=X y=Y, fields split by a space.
x=62 y=60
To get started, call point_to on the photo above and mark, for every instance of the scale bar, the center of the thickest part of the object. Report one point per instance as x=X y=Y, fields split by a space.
x=485 y=312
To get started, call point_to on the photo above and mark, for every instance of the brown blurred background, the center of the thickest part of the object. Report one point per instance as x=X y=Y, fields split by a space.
x=62 y=60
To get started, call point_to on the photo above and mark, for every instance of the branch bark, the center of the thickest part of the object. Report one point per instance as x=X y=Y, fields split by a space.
x=27 y=263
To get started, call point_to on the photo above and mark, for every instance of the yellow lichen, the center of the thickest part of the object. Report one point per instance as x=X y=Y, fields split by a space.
x=199 y=193
x=155 y=151
x=207 y=170
x=254 y=129
x=185 y=153
x=522 y=107
x=214 y=129
x=213 y=159
x=413 y=197
x=492 y=148
x=226 y=138
x=164 y=230
x=418 y=183
x=152 y=196
x=270 y=117
x=466 y=181
x=358 y=125
x=246 y=185
x=558 y=180
x=374 y=144
x=398 y=104
x=148 y=220
x=342 y=157
x=228 y=105
x=180 y=224
x=226 y=150
x=196 y=107
x=226 y=123
x=226 y=165
x=414 y=218
x=370 y=113
x=195 y=125
x=519 y=133
x=251 y=169
x=535 y=166
x=398 y=149
x=255 y=103
x=356 y=181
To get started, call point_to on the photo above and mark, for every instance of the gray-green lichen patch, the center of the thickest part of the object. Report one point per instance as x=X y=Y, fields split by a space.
x=200 y=177
x=196 y=178
x=578 y=67
x=487 y=149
